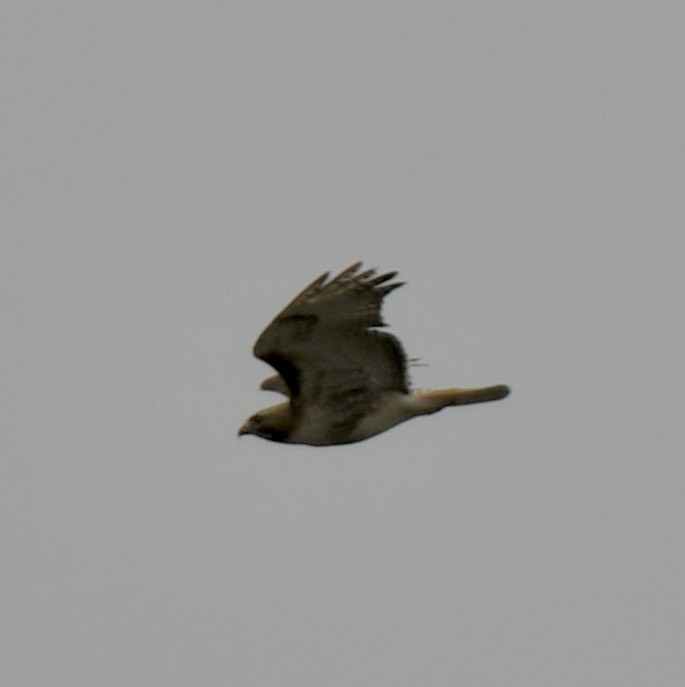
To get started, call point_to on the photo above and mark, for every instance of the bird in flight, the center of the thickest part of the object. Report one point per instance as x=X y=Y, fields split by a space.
x=344 y=378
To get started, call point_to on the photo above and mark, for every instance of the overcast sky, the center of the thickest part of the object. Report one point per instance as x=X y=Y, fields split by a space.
x=173 y=173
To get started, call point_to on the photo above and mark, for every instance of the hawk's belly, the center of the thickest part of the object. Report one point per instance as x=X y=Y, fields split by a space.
x=317 y=429
x=394 y=407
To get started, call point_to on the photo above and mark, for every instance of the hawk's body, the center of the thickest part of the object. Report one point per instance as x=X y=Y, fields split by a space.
x=346 y=381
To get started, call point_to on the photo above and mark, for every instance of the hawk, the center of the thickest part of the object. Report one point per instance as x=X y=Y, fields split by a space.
x=344 y=378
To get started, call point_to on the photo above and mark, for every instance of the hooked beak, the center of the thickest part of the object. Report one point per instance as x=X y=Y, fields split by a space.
x=244 y=430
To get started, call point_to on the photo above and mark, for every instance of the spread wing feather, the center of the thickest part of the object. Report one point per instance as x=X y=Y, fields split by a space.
x=323 y=347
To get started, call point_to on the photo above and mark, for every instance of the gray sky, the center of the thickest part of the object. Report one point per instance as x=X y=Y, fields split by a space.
x=173 y=173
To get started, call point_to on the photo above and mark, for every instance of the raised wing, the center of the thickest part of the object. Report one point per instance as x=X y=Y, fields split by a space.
x=322 y=346
x=348 y=300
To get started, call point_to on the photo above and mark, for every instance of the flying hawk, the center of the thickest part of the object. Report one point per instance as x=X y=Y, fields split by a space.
x=345 y=380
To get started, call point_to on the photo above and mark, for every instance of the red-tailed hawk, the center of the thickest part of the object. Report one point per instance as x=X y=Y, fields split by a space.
x=346 y=380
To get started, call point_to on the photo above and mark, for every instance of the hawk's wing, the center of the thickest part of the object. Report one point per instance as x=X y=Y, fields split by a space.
x=322 y=346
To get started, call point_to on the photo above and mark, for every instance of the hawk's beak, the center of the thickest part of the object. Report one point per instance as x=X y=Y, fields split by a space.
x=244 y=430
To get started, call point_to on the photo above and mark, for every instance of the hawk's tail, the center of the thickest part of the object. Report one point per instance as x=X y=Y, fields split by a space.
x=432 y=401
x=460 y=397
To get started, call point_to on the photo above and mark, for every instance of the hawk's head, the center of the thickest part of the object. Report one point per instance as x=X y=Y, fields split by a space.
x=273 y=423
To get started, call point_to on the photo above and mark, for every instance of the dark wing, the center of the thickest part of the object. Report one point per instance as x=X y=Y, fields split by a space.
x=322 y=345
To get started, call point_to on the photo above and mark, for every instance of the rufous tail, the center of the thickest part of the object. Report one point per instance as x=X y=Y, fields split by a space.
x=460 y=397
x=433 y=401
